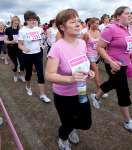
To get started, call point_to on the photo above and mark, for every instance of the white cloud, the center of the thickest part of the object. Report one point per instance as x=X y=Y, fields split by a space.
x=47 y=9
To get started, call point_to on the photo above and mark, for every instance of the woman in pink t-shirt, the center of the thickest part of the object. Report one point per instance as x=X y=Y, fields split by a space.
x=63 y=58
x=91 y=38
x=115 y=47
x=130 y=26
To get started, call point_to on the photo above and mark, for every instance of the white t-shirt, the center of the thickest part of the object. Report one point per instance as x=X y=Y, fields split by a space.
x=31 y=38
x=102 y=27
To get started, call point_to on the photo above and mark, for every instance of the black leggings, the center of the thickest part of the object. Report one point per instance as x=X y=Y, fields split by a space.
x=3 y=49
x=37 y=60
x=16 y=55
x=73 y=115
x=118 y=81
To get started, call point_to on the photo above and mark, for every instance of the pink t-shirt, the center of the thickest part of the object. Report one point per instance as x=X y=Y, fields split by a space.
x=91 y=46
x=64 y=52
x=115 y=35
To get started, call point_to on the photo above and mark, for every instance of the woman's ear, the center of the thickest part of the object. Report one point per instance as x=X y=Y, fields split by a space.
x=118 y=18
x=62 y=27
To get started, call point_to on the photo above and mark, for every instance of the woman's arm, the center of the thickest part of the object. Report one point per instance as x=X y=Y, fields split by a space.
x=6 y=40
x=101 y=45
x=22 y=47
x=85 y=37
x=52 y=75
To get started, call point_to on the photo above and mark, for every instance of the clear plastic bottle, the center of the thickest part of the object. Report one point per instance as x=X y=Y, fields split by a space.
x=1 y=121
x=82 y=91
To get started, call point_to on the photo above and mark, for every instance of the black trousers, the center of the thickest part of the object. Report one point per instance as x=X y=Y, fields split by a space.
x=118 y=81
x=72 y=114
x=37 y=60
x=3 y=49
x=15 y=56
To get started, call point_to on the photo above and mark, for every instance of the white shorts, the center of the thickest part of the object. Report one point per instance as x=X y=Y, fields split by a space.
x=93 y=58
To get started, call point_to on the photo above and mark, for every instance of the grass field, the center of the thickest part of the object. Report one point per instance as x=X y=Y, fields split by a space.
x=37 y=122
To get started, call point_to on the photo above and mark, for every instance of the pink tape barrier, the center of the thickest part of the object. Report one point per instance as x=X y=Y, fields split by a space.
x=12 y=129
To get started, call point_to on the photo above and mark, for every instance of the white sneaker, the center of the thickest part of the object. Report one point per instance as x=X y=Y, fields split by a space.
x=1 y=121
x=15 y=78
x=19 y=70
x=22 y=78
x=73 y=137
x=96 y=103
x=64 y=145
x=105 y=95
x=128 y=125
x=29 y=91
x=44 y=98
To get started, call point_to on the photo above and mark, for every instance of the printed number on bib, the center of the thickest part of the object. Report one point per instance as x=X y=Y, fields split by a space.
x=80 y=64
x=34 y=36
x=129 y=43
x=94 y=46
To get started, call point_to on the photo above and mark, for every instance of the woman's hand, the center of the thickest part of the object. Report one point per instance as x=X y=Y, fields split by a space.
x=91 y=74
x=13 y=42
x=26 y=50
x=79 y=76
x=115 y=66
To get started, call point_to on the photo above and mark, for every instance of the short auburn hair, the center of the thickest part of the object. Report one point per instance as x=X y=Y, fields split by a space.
x=63 y=16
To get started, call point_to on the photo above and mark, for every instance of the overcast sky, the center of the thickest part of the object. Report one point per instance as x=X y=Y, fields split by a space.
x=47 y=9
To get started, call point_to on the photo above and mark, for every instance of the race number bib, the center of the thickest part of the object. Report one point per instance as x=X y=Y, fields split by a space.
x=80 y=64
x=94 y=46
x=15 y=38
x=34 y=36
x=1 y=38
x=129 y=44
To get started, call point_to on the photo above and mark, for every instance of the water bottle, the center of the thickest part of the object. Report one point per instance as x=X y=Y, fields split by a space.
x=1 y=121
x=82 y=91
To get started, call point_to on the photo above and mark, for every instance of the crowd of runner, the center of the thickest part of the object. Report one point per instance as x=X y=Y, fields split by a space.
x=74 y=50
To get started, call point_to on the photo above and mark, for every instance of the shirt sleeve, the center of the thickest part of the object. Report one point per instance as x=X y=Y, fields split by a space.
x=107 y=35
x=100 y=28
x=20 y=35
x=84 y=46
x=54 y=52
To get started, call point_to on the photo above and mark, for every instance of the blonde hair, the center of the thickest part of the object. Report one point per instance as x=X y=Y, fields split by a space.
x=13 y=18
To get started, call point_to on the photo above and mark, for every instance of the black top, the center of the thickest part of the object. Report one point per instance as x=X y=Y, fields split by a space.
x=2 y=34
x=10 y=32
